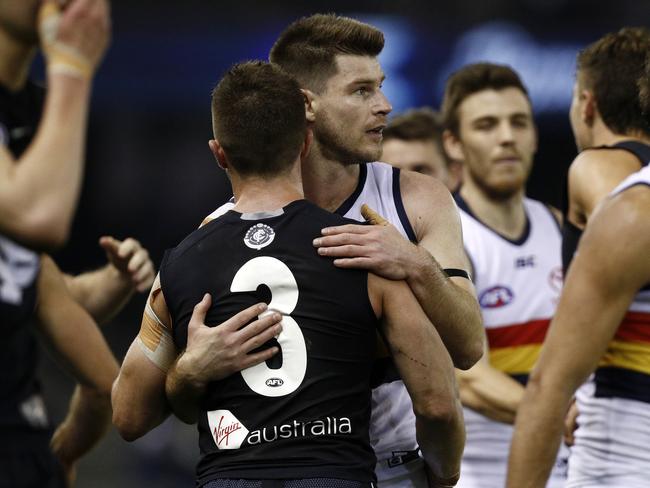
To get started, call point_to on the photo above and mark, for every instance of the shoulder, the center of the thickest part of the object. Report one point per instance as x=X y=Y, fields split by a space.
x=218 y=212
x=621 y=218
x=426 y=199
x=602 y=164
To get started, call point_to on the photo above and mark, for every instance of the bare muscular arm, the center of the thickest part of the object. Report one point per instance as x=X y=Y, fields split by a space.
x=450 y=303
x=600 y=285
x=427 y=371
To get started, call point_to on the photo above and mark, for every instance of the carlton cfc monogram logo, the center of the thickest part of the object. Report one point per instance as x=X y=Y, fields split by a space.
x=259 y=236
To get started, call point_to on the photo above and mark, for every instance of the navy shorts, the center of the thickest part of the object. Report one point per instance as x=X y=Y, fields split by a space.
x=298 y=483
x=31 y=469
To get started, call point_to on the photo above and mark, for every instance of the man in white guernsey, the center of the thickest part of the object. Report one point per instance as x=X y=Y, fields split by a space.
x=513 y=243
x=335 y=61
x=602 y=326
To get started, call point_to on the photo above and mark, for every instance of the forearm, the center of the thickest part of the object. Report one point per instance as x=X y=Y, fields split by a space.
x=490 y=392
x=452 y=310
x=44 y=186
x=538 y=432
x=442 y=442
x=184 y=391
x=87 y=421
x=103 y=293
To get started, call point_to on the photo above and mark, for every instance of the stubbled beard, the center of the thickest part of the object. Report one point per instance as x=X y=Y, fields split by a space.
x=500 y=192
x=333 y=147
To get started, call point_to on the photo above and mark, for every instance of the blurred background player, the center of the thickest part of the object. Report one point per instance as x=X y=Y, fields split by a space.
x=42 y=179
x=413 y=141
x=43 y=170
x=609 y=129
x=602 y=321
x=294 y=423
x=513 y=243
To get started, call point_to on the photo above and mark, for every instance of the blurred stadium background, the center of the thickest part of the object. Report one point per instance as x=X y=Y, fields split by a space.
x=150 y=174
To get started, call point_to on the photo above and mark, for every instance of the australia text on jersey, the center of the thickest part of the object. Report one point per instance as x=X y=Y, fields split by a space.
x=229 y=433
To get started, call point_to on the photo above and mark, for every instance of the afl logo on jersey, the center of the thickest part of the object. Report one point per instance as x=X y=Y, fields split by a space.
x=259 y=236
x=274 y=382
x=495 y=297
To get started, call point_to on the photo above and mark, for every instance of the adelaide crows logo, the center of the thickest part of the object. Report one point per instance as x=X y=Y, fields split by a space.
x=259 y=236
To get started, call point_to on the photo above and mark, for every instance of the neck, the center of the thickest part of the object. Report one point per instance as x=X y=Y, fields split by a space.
x=503 y=215
x=255 y=194
x=603 y=136
x=327 y=182
x=15 y=60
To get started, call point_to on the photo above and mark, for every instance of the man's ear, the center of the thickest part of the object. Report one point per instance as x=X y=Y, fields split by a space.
x=589 y=107
x=452 y=146
x=218 y=153
x=311 y=104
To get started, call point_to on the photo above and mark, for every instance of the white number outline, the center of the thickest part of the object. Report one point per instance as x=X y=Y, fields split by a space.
x=270 y=271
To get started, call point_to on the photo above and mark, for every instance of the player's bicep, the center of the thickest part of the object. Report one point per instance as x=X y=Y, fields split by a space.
x=155 y=339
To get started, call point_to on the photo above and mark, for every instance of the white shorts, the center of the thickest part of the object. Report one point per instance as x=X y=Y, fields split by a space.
x=612 y=443
x=408 y=475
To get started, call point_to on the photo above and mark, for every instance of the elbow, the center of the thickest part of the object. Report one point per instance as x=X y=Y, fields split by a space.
x=126 y=420
x=439 y=409
x=470 y=354
x=43 y=231
x=127 y=426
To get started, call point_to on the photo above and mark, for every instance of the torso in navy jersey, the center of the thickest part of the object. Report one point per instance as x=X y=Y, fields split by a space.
x=304 y=413
x=571 y=233
x=392 y=422
x=22 y=412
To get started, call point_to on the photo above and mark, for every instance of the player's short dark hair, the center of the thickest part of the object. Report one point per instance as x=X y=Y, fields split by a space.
x=419 y=124
x=611 y=68
x=258 y=117
x=308 y=47
x=471 y=79
x=644 y=89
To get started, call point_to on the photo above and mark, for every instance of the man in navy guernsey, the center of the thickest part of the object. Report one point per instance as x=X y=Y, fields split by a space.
x=41 y=157
x=301 y=418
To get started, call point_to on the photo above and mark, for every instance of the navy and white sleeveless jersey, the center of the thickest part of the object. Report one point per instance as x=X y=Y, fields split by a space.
x=570 y=233
x=392 y=421
x=611 y=443
x=518 y=284
x=23 y=420
x=304 y=413
x=624 y=370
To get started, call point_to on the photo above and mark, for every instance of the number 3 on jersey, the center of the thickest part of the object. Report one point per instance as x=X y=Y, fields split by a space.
x=273 y=273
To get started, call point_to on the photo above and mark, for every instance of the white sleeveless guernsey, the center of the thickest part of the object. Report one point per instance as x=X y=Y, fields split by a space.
x=392 y=422
x=518 y=285
x=612 y=440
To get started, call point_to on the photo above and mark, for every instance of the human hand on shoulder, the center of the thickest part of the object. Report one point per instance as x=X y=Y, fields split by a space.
x=379 y=248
